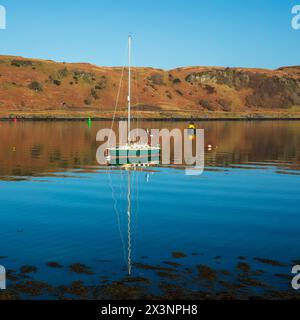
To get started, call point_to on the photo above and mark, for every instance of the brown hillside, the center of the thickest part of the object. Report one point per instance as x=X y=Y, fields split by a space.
x=30 y=87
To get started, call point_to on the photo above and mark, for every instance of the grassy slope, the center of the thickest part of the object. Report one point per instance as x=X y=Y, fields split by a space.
x=39 y=88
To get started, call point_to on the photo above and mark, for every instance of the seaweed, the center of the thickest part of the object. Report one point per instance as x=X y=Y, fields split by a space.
x=28 y=269
x=178 y=255
x=54 y=265
x=80 y=268
x=206 y=272
x=271 y=262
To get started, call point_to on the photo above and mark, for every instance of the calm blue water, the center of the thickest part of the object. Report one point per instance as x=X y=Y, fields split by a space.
x=246 y=203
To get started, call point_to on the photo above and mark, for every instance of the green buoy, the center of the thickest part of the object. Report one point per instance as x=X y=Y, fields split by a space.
x=89 y=122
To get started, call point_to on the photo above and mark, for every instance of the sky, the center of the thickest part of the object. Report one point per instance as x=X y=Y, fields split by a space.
x=166 y=34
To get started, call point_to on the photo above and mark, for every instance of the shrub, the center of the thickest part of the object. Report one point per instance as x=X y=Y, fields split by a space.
x=62 y=73
x=85 y=76
x=168 y=94
x=225 y=104
x=88 y=101
x=210 y=89
x=101 y=85
x=176 y=81
x=207 y=105
x=57 y=82
x=157 y=79
x=94 y=94
x=21 y=63
x=35 y=86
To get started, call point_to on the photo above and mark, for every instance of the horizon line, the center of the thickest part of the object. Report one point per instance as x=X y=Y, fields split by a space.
x=148 y=67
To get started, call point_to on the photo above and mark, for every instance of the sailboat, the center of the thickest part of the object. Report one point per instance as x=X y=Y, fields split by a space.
x=132 y=152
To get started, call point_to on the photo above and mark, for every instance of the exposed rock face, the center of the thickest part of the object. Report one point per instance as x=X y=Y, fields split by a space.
x=29 y=85
x=157 y=79
x=268 y=91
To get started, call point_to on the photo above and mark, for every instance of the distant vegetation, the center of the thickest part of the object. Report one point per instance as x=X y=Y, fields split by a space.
x=35 y=86
x=21 y=63
x=102 y=83
x=62 y=73
x=83 y=75
x=176 y=81
x=88 y=101
x=57 y=82
x=225 y=104
x=206 y=105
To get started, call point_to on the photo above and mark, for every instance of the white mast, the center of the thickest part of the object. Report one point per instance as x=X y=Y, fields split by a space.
x=129 y=86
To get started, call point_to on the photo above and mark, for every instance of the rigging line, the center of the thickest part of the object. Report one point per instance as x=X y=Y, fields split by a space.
x=136 y=205
x=133 y=196
x=136 y=88
x=120 y=187
x=116 y=105
x=135 y=175
x=123 y=189
x=129 y=224
x=137 y=171
x=117 y=100
x=117 y=215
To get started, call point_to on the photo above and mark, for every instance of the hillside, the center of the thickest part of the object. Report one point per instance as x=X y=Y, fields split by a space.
x=42 y=88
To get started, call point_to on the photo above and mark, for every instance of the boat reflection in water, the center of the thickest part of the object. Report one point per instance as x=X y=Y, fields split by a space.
x=132 y=162
x=131 y=166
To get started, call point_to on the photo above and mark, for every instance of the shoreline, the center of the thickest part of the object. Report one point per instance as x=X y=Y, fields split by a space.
x=175 y=119
x=147 y=116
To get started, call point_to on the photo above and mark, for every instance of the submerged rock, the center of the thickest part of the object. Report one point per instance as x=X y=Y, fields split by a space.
x=173 y=264
x=271 y=262
x=243 y=266
x=28 y=269
x=54 y=265
x=178 y=255
x=80 y=268
x=206 y=272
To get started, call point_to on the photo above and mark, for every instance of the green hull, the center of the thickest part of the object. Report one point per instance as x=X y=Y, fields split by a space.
x=128 y=156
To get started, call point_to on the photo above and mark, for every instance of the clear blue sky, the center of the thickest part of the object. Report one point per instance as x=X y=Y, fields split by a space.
x=167 y=33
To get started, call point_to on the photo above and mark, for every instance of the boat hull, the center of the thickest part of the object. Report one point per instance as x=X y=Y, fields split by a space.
x=134 y=156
